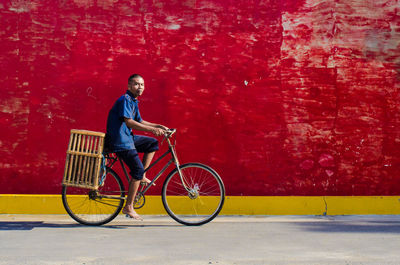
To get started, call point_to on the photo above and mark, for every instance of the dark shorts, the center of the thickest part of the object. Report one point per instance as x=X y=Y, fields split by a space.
x=143 y=144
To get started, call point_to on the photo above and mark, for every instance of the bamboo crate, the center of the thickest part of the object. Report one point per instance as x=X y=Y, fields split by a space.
x=84 y=158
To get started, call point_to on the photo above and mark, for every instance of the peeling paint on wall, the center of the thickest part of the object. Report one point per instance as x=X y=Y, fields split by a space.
x=281 y=97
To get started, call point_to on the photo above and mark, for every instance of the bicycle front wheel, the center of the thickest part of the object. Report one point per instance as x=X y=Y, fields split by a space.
x=95 y=207
x=203 y=199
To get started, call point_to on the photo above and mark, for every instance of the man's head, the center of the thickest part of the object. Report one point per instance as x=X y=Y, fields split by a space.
x=136 y=85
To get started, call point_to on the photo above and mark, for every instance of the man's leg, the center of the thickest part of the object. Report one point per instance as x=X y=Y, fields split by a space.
x=147 y=157
x=148 y=146
x=128 y=209
x=132 y=160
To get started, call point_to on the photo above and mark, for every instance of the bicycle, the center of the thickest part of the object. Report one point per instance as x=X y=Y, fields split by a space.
x=192 y=193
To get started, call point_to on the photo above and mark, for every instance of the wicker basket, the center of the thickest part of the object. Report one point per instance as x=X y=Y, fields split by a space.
x=84 y=158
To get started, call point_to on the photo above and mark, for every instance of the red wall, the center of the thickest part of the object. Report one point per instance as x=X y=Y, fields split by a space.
x=280 y=97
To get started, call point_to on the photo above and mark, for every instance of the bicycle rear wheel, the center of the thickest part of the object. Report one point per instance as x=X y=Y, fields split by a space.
x=95 y=207
x=204 y=200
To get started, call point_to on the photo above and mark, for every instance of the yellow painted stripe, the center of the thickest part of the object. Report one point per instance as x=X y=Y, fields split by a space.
x=234 y=205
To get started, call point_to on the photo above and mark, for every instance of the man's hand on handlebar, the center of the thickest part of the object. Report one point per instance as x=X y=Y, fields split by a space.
x=165 y=128
x=170 y=132
x=158 y=131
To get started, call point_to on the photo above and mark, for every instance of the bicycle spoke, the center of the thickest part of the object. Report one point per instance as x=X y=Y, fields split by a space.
x=102 y=202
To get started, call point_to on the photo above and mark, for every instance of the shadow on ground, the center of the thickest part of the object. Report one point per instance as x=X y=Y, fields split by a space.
x=352 y=227
x=28 y=225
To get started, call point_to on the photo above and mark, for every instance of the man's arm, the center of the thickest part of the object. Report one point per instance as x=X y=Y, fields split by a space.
x=154 y=125
x=145 y=126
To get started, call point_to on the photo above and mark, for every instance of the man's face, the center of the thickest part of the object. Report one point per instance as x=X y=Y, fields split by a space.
x=136 y=87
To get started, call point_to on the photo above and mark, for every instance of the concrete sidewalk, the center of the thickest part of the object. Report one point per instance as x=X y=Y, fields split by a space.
x=57 y=239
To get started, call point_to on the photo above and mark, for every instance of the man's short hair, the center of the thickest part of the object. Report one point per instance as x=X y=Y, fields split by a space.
x=133 y=76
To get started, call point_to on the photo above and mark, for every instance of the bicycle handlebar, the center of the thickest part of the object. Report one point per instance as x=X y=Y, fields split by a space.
x=169 y=133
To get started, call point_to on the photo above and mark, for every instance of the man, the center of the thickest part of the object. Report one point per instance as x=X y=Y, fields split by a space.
x=122 y=118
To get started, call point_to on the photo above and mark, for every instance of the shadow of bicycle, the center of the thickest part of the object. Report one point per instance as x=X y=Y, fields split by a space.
x=30 y=225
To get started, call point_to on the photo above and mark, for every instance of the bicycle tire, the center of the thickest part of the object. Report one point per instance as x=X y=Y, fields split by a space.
x=189 y=209
x=88 y=207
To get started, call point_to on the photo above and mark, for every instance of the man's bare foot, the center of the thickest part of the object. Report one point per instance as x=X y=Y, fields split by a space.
x=132 y=214
x=147 y=181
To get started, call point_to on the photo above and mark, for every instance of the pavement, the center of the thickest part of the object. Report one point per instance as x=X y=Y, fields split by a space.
x=57 y=239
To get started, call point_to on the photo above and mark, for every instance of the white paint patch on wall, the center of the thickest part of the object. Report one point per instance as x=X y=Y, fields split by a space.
x=20 y=6
x=174 y=26
x=14 y=105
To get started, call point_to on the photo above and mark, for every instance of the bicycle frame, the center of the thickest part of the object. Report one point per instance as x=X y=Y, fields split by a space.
x=174 y=159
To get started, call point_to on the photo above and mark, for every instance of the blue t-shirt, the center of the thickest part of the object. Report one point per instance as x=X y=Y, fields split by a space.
x=119 y=135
